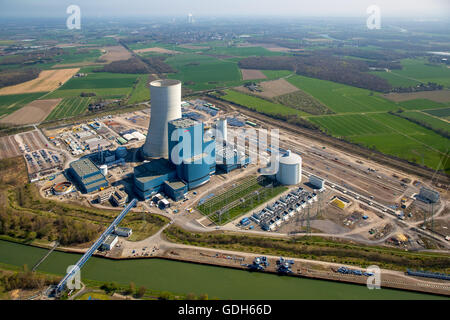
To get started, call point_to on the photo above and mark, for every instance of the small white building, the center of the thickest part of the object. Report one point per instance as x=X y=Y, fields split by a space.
x=316 y=182
x=110 y=242
x=123 y=232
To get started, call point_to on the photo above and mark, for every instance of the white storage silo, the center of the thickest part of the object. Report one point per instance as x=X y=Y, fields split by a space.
x=290 y=169
x=104 y=169
x=165 y=106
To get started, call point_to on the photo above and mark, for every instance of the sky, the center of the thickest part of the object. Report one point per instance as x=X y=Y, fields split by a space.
x=217 y=8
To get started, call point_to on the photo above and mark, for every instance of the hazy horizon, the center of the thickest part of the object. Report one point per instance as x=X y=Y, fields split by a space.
x=231 y=8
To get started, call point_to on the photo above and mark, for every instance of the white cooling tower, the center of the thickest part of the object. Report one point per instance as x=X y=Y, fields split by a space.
x=165 y=106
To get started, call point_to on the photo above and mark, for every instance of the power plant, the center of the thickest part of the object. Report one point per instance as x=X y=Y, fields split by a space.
x=165 y=106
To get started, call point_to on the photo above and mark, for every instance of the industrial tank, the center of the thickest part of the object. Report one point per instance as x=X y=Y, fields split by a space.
x=104 y=169
x=165 y=106
x=290 y=169
x=121 y=152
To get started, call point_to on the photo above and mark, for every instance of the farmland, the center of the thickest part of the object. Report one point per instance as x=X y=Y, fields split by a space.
x=421 y=70
x=420 y=104
x=11 y=103
x=441 y=113
x=33 y=112
x=259 y=104
x=48 y=80
x=429 y=120
x=342 y=98
x=103 y=84
x=69 y=107
x=199 y=72
x=140 y=91
x=388 y=134
x=395 y=79
x=241 y=51
x=439 y=96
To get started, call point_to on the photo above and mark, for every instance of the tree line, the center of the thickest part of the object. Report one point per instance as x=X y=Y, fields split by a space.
x=10 y=77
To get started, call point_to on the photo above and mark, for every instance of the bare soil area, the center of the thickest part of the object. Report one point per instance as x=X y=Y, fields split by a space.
x=115 y=53
x=271 y=88
x=249 y=74
x=33 y=112
x=156 y=50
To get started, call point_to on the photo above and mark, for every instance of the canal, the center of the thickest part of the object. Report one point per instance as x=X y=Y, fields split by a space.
x=183 y=277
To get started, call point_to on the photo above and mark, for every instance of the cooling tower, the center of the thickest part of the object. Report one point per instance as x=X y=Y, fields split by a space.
x=165 y=106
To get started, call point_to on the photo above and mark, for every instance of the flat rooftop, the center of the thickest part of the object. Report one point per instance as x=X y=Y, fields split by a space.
x=183 y=123
x=175 y=185
x=153 y=169
x=84 y=167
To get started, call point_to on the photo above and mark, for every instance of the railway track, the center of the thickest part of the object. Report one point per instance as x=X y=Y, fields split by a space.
x=380 y=158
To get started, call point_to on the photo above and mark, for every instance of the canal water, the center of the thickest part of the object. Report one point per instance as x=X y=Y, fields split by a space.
x=183 y=277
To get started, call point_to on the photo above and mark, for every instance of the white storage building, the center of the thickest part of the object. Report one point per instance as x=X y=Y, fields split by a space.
x=290 y=169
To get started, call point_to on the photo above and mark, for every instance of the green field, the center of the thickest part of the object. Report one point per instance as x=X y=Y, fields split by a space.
x=13 y=102
x=259 y=104
x=421 y=70
x=432 y=121
x=441 y=113
x=141 y=91
x=101 y=80
x=71 y=56
x=421 y=104
x=276 y=74
x=396 y=80
x=389 y=134
x=342 y=98
x=69 y=107
x=200 y=72
x=242 y=51
x=103 y=84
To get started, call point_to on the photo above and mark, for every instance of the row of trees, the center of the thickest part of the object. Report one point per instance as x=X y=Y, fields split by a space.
x=26 y=280
x=31 y=226
x=430 y=86
x=440 y=131
x=112 y=287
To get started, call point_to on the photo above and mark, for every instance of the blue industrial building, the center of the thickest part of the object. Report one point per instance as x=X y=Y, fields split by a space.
x=190 y=164
x=150 y=177
x=87 y=175
x=195 y=155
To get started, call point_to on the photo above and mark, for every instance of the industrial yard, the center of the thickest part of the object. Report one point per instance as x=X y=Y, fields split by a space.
x=317 y=190
x=335 y=193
